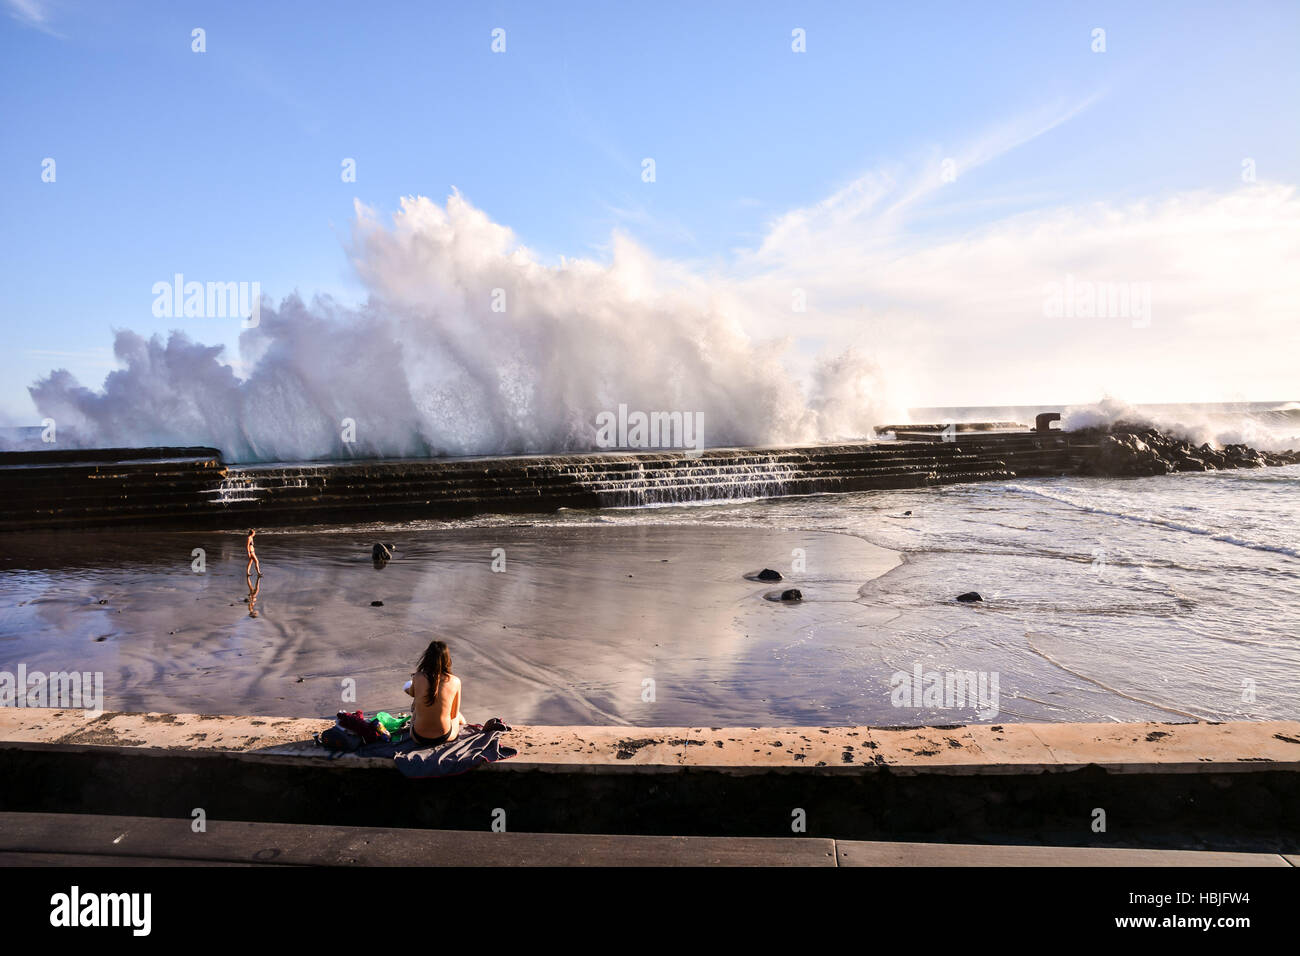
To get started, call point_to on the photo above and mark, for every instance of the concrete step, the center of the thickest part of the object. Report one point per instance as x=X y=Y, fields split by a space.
x=81 y=839
x=288 y=844
x=864 y=853
x=150 y=497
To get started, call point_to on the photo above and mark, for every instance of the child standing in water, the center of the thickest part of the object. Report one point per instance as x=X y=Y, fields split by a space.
x=252 y=555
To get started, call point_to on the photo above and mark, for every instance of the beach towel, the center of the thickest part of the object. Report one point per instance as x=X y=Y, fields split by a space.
x=476 y=744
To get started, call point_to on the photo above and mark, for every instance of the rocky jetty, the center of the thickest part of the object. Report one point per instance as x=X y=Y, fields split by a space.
x=1131 y=451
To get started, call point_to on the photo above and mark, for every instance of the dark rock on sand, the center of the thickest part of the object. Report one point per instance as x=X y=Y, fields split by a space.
x=376 y=603
x=970 y=597
x=767 y=574
x=792 y=594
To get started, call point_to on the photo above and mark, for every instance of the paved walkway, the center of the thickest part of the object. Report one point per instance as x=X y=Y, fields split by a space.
x=53 y=839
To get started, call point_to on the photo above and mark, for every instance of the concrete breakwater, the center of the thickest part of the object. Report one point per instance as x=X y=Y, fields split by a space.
x=193 y=487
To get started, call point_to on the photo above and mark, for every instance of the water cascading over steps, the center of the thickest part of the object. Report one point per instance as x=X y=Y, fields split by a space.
x=193 y=487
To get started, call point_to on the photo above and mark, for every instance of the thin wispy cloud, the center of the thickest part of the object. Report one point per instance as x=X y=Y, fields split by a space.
x=89 y=358
x=637 y=218
x=32 y=13
x=859 y=214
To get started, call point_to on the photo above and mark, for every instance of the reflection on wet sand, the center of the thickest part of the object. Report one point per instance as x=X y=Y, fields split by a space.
x=253 y=591
x=576 y=624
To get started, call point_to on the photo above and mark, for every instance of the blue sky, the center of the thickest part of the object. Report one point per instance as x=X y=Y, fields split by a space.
x=226 y=164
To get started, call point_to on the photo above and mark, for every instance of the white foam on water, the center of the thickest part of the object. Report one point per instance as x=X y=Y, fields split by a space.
x=1153 y=519
x=1270 y=427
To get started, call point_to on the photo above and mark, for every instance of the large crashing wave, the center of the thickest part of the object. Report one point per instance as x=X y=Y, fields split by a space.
x=468 y=345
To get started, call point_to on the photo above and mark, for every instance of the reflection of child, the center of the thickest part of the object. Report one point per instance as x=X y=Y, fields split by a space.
x=252 y=596
x=252 y=555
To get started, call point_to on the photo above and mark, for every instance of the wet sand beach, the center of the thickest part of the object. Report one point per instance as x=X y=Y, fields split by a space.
x=569 y=632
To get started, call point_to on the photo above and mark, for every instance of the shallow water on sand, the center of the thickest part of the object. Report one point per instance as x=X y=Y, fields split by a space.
x=568 y=632
x=1151 y=599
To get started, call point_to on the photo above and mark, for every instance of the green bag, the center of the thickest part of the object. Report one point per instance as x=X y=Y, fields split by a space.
x=392 y=724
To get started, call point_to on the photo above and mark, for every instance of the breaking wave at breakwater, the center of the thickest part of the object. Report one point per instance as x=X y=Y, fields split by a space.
x=468 y=345
x=1267 y=426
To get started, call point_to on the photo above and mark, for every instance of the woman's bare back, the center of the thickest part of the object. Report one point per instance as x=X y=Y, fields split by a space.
x=441 y=718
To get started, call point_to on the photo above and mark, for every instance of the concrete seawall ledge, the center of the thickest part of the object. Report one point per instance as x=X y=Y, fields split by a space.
x=1166 y=748
x=1195 y=786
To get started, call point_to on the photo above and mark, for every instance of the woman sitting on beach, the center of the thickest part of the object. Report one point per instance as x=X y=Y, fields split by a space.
x=436 y=717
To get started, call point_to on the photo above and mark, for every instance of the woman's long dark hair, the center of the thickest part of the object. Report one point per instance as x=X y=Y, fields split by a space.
x=435 y=664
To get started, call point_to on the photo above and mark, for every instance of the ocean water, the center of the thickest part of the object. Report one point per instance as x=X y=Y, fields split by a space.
x=1166 y=598
x=1173 y=597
